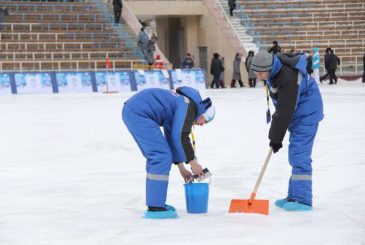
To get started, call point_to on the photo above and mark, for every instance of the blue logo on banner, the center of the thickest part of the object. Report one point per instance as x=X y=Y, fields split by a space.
x=5 y=87
x=33 y=82
x=192 y=78
x=74 y=82
x=116 y=81
x=151 y=79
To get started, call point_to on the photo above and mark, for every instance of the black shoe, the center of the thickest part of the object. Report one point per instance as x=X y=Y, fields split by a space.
x=156 y=209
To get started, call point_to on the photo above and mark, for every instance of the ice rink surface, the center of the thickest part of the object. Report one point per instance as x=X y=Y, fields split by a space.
x=70 y=173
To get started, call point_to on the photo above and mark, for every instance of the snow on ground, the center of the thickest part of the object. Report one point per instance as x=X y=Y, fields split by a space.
x=70 y=173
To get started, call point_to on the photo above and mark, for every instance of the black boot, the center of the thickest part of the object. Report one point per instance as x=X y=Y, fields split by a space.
x=222 y=84
x=241 y=83
x=233 y=84
x=250 y=83
x=254 y=82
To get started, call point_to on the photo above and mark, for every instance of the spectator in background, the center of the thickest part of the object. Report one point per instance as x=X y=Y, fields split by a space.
x=188 y=62
x=332 y=67
x=363 y=68
x=142 y=39
x=232 y=6
x=251 y=73
x=118 y=6
x=326 y=62
x=316 y=62
x=154 y=39
x=216 y=68
x=275 y=48
x=146 y=46
x=158 y=62
x=221 y=76
x=293 y=53
x=237 y=71
x=3 y=13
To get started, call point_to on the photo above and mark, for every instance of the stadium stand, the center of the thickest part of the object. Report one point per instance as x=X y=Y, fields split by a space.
x=302 y=25
x=57 y=35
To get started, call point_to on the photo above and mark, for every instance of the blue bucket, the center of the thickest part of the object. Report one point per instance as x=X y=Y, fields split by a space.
x=196 y=197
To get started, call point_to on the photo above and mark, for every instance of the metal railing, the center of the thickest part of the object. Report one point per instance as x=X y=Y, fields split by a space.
x=62 y=65
x=25 y=36
x=59 y=17
x=64 y=55
x=52 y=7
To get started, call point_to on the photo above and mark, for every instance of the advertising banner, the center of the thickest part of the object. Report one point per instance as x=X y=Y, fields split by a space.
x=5 y=86
x=113 y=81
x=189 y=77
x=152 y=79
x=74 y=82
x=33 y=83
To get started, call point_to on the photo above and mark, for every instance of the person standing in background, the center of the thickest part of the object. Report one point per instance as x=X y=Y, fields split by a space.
x=232 y=6
x=275 y=48
x=363 y=67
x=188 y=62
x=333 y=62
x=326 y=64
x=316 y=63
x=251 y=73
x=118 y=6
x=216 y=68
x=237 y=71
x=221 y=76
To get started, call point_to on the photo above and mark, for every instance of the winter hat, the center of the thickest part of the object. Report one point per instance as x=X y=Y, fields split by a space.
x=194 y=95
x=263 y=61
x=209 y=114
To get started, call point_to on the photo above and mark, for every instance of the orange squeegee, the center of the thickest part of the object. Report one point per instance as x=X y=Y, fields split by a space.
x=251 y=205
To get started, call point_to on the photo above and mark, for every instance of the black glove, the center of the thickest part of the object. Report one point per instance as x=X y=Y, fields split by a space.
x=275 y=146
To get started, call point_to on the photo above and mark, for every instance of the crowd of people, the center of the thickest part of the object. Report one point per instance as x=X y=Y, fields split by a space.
x=331 y=62
x=217 y=65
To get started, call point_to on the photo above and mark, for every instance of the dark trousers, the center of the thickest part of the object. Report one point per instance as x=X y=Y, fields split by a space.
x=323 y=77
x=216 y=81
x=117 y=14
x=252 y=82
x=233 y=83
x=332 y=74
x=231 y=8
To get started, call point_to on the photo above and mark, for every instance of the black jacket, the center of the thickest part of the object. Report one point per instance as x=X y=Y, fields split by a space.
x=186 y=130
x=118 y=5
x=275 y=49
x=333 y=62
x=284 y=89
x=216 y=67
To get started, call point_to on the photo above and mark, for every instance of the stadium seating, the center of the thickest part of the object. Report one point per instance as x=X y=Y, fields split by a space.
x=57 y=35
x=302 y=25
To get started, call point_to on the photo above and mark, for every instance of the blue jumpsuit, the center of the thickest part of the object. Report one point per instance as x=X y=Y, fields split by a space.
x=299 y=109
x=144 y=114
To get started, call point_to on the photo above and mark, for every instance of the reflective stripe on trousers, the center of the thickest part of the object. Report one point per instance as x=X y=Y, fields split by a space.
x=300 y=150
x=156 y=150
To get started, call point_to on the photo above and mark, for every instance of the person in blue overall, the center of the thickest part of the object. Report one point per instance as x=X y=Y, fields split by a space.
x=176 y=112
x=298 y=109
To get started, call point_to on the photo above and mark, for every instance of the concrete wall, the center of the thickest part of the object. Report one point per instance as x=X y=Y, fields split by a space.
x=200 y=30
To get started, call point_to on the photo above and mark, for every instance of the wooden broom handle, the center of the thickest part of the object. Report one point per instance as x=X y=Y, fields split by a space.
x=253 y=194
